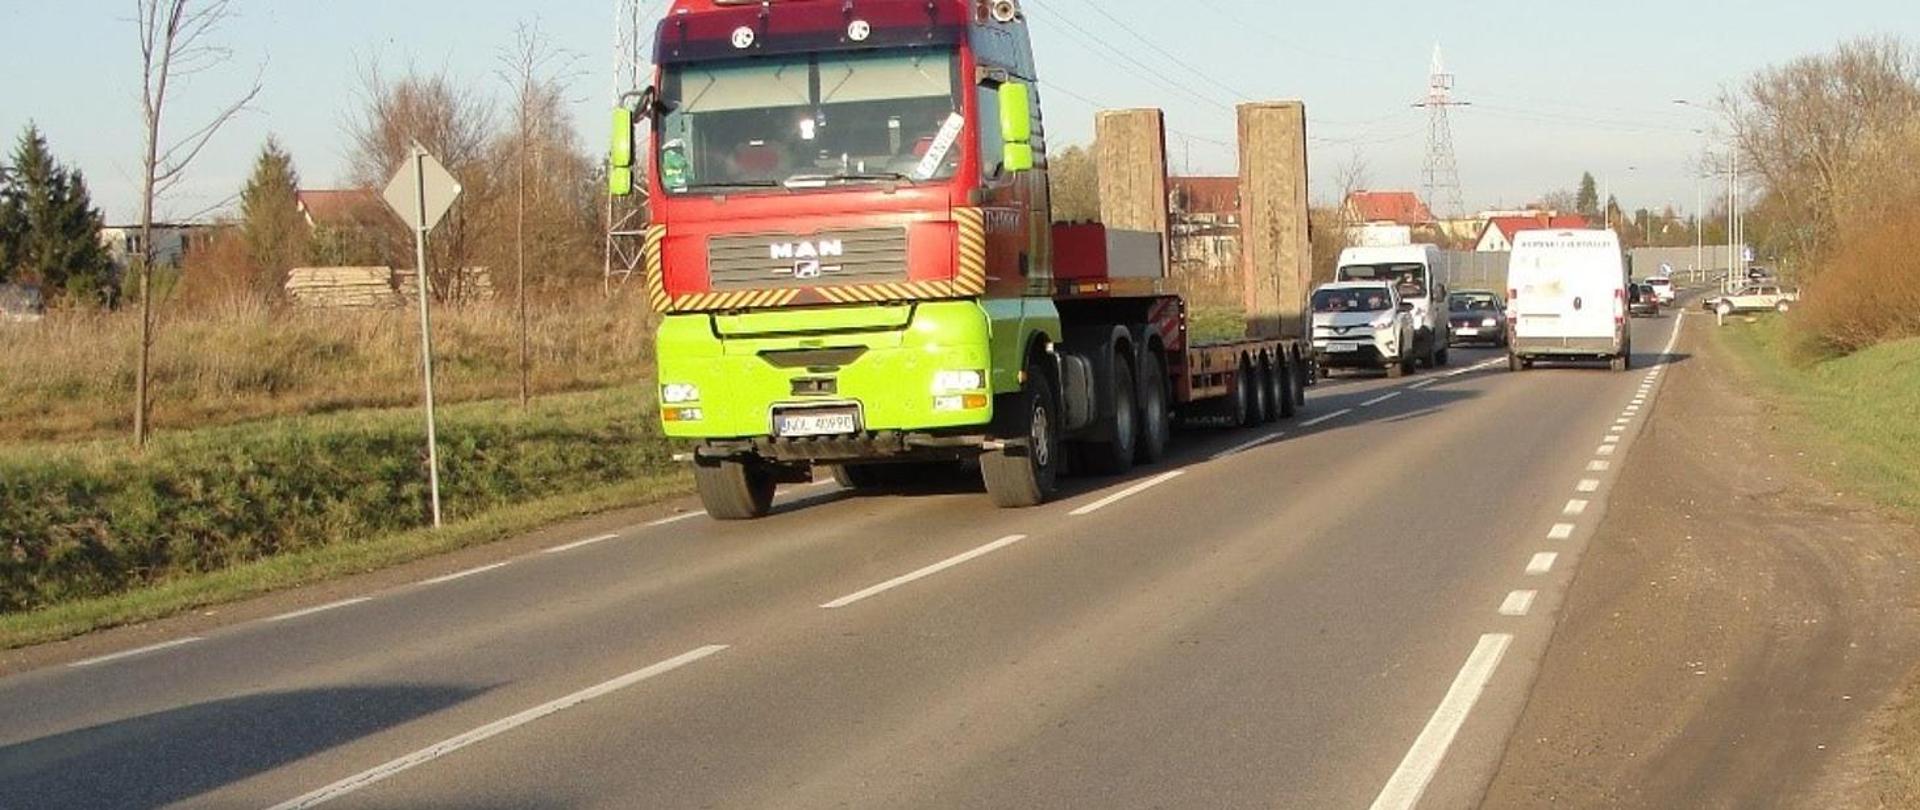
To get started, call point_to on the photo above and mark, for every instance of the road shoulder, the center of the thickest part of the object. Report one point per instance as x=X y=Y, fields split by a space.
x=1736 y=634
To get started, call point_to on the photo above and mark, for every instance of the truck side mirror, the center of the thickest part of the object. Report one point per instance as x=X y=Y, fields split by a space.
x=620 y=158
x=1017 y=157
x=1016 y=127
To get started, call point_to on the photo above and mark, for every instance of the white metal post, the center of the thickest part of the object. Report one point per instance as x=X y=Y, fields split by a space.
x=426 y=324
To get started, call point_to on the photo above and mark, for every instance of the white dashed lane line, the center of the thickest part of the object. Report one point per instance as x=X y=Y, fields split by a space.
x=1588 y=485
x=675 y=519
x=1542 y=563
x=1249 y=445
x=1379 y=399
x=1575 y=507
x=1598 y=465
x=320 y=609
x=924 y=572
x=440 y=580
x=1127 y=493
x=1328 y=418
x=1518 y=603
x=582 y=543
x=1560 y=531
x=164 y=645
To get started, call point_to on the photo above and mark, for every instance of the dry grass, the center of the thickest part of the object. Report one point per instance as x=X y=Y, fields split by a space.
x=71 y=376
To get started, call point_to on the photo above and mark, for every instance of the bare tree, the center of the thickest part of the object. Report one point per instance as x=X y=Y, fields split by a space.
x=175 y=41
x=455 y=123
x=536 y=72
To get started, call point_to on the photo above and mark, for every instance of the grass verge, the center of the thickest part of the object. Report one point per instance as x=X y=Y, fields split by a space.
x=1861 y=412
x=191 y=591
x=1860 y=416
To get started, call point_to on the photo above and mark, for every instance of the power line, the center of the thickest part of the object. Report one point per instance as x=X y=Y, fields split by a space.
x=1163 y=52
x=1131 y=64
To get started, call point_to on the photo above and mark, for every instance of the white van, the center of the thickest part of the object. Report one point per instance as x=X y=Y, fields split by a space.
x=1567 y=298
x=1410 y=269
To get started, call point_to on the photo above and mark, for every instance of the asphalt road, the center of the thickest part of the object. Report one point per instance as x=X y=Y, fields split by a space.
x=1350 y=614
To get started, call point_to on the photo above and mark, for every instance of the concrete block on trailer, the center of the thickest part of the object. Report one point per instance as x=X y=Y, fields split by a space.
x=1132 y=161
x=1276 y=241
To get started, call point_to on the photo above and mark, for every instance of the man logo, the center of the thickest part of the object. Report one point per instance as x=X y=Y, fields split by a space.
x=825 y=248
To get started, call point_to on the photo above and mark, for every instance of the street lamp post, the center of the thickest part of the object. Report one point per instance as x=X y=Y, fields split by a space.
x=1735 y=220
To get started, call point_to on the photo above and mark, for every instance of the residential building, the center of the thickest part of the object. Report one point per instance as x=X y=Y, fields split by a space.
x=1497 y=236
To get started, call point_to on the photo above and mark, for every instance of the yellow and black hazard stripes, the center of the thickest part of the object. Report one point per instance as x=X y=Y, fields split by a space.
x=970 y=268
x=655 y=267
x=745 y=299
x=871 y=293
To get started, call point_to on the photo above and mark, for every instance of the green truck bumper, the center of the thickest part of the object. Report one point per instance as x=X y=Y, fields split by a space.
x=906 y=368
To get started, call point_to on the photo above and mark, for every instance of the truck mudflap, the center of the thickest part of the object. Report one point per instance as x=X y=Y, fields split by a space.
x=879 y=445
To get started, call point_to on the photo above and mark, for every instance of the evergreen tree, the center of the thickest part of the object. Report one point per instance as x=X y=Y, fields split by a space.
x=275 y=233
x=51 y=229
x=1587 y=199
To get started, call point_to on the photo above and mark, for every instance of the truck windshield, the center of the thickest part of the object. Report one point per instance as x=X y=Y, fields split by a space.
x=1410 y=277
x=1351 y=300
x=811 y=120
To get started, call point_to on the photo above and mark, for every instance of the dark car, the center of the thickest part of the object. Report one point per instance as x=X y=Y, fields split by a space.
x=1643 y=300
x=1477 y=316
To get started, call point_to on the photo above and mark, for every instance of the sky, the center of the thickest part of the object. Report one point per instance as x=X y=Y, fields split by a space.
x=1553 y=89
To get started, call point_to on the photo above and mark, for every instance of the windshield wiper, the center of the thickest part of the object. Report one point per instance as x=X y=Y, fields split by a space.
x=735 y=184
x=804 y=179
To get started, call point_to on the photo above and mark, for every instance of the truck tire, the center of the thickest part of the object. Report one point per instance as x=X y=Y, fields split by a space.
x=1274 y=390
x=1025 y=475
x=1289 y=387
x=1253 y=394
x=734 y=490
x=1115 y=456
x=1156 y=419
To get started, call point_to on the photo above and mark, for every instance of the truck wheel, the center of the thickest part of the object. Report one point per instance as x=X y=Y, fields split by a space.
x=1273 y=391
x=734 y=490
x=1025 y=475
x=1156 y=422
x=1115 y=456
x=1253 y=395
x=1289 y=384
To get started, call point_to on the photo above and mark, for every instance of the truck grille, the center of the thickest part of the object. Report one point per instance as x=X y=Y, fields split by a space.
x=784 y=261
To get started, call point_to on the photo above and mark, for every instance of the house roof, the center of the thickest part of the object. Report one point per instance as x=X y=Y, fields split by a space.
x=1509 y=226
x=340 y=208
x=1400 y=207
x=1206 y=195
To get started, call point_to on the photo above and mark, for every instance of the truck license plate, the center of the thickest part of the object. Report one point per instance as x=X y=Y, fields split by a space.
x=816 y=423
x=1469 y=331
x=1338 y=348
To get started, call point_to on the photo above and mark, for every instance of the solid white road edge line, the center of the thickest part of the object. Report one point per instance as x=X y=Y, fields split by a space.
x=1542 y=563
x=495 y=728
x=1379 y=399
x=1575 y=507
x=582 y=543
x=1518 y=603
x=1245 y=446
x=464 y=574
x=1410 y=780
x=320 y=609
x=1328 y=418
x=1560 y=531
x=924 y=572
x=135 y=651
x=1127 y=493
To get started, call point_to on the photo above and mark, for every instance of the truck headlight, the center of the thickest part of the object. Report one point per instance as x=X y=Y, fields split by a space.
x=677 y=393
x=955 y=382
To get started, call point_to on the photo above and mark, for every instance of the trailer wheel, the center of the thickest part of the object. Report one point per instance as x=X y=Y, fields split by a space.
x=734 y=490
x=1115 y=456
x=1253 y=394
x=1289 y=384
x=1025 y=474
x=1156 y=422
x=1273 y=391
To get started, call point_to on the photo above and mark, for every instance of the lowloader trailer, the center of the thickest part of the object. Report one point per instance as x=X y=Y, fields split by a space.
x=852 y=253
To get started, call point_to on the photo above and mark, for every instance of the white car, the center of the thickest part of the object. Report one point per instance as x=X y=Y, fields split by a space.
x=1410 y=268
x=1362 y=324
x=1662 y=289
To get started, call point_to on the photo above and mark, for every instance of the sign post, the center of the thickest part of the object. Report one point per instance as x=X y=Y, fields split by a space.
x=421 y=192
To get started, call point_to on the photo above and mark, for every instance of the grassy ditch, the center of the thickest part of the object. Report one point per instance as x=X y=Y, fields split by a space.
x=95 y=536
x=1862 y=410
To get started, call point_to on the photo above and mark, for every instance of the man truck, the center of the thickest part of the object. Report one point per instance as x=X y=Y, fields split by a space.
x=851 y=249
